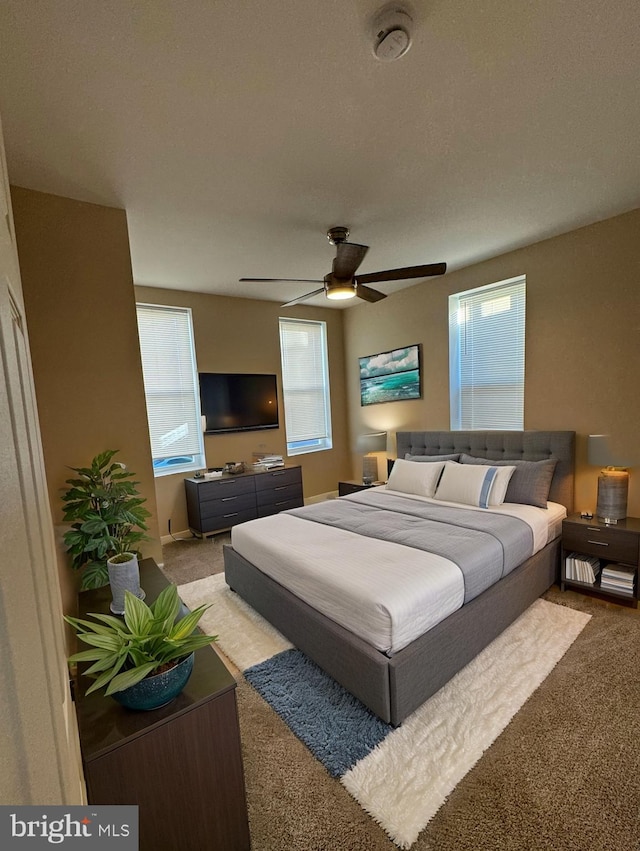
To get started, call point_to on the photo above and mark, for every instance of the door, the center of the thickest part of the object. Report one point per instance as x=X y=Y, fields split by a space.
x=39 y=749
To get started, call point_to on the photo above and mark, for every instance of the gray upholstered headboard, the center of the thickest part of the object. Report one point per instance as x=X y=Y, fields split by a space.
x=502 y=445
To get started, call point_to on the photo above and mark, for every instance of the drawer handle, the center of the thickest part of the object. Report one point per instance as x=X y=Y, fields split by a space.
x=599 y=543
x=281 y=487
x=235 y=514
x=593 y=528
x=282 y=502
x=228 y=482
x=281 y=473
x=228 y=498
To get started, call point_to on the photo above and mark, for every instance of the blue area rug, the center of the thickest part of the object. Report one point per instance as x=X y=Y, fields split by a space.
x=334 y=725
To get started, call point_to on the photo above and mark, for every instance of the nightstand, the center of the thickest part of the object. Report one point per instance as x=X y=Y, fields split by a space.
x=353 y=486
x=617 y=548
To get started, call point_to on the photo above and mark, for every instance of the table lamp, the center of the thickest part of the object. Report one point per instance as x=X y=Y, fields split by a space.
x=613 y=480
x=370 y=443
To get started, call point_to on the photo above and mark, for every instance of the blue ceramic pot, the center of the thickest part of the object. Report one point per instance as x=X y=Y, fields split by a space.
x=158 y=690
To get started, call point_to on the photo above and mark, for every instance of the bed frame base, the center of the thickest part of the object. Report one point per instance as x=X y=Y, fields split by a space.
x=393 y=687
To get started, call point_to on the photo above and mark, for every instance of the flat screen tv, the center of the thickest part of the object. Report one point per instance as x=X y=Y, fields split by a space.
x=238 y=402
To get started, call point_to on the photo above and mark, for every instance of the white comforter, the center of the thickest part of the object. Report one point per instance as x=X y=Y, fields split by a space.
x=390 y=594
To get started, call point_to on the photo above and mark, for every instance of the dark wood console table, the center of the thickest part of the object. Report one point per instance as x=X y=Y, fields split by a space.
x=181 y=764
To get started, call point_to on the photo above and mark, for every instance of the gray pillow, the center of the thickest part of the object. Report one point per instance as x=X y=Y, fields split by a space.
x=431 y=458
x=530 y=482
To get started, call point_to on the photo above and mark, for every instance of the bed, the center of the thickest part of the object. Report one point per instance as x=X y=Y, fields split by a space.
x=393 y=675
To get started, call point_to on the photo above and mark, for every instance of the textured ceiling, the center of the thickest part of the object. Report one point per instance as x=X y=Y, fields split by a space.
x=235 y=133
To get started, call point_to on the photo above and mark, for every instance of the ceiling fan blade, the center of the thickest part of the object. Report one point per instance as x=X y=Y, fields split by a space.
x=275 y=280
x=402 y=274
x=303 y=297
x=349 y=255
x=367 y=293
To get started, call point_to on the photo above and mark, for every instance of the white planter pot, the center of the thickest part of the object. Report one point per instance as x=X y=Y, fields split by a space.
x=124 y=576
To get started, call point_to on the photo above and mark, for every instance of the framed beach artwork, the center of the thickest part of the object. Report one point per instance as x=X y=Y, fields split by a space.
x=390 y=376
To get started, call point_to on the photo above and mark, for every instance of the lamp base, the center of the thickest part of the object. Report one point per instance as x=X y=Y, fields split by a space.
x=369 y=469
x=613 y=488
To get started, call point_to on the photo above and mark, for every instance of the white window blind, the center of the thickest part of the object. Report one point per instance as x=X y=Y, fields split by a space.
x=305 y=384
x=171 y=386
x=486 y=356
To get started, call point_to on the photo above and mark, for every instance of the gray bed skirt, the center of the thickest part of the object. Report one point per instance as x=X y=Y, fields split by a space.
x=394 y=686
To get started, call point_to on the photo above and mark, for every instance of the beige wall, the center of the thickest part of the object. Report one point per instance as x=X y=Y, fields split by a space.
x=241 y=335
x=582 y=348
x=582 y=342
x=80 y=306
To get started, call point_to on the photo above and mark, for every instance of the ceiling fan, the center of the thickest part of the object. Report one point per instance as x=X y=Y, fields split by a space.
x=342 y=282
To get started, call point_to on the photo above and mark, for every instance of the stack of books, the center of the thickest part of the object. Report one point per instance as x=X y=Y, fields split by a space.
x=581 y=568
x=618 y=578
x=268 y=462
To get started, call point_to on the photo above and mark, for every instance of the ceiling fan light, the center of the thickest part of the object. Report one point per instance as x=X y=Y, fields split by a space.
x=336 y=293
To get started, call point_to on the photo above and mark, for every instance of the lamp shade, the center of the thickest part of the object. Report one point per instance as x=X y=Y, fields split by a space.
x=376 y=442
x=601 y=454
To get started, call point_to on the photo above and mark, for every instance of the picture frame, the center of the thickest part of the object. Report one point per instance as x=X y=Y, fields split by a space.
x=393 y=376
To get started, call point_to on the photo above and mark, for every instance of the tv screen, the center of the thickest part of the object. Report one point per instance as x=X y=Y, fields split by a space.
x=238 y=402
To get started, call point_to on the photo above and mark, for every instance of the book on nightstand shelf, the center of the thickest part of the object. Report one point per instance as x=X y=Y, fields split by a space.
x=618 y=578
x=581 y=568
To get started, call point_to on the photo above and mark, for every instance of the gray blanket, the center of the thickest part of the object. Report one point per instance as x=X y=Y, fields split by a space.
x=485 y=546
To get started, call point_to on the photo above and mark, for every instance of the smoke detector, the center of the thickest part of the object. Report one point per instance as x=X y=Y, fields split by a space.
x=391 y=29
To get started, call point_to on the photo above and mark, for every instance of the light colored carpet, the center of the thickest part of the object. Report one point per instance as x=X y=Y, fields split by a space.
x=563 y=776
x=406 y=779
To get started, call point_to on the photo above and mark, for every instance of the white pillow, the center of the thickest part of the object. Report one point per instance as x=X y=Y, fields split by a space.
x=483 y=488
x=411 y=477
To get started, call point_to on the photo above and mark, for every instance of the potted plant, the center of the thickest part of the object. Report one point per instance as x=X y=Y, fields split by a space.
x=145 y=659
x=108 y=522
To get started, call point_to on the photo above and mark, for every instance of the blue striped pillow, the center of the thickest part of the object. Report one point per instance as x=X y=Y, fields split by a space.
x=530 y=482
x=468 y=484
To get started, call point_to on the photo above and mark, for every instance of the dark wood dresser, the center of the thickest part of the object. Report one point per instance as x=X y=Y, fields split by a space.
x=181 y=764
x=217 y=504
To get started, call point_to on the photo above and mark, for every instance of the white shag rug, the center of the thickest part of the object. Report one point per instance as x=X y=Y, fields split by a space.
x=406 y=778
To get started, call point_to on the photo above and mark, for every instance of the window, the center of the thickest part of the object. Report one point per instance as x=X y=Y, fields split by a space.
x=305 y=385
x=486 y=356
x=171 y=388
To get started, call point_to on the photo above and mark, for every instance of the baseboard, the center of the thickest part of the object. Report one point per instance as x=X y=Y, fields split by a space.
x=321 y=497
x=168 y=539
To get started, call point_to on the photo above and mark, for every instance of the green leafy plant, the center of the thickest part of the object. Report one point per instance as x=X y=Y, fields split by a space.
x=148 y=640
x=107 y=515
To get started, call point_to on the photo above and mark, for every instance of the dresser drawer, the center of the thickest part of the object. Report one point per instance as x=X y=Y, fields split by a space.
x=219 y=488
x=213 y=524
x=275 y=507
x=227 y=504
x=611 y=544
x=277 y=478
x=280 y=493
